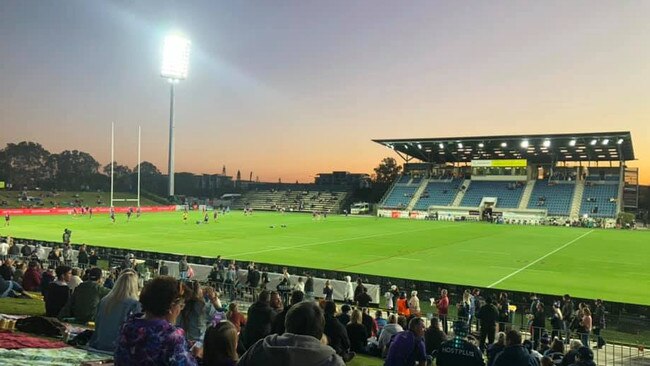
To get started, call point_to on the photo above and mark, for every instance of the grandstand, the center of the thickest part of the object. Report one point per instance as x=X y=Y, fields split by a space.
x=291 y=200
x=521 y=177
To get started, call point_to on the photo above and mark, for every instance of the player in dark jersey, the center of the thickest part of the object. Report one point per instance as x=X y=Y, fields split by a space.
x=7 y=219
x=129 y=212
x=112 y=213
x=138 y=212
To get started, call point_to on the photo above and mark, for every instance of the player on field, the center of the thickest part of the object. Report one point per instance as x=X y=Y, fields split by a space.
x=185 y=217
x=206 y=218
x=138 y=212
x=90 y=212
x=215 y=214
x=7 y=219
x=112 y=214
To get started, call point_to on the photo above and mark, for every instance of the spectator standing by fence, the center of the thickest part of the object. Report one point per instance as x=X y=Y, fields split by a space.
x=183 y=268
x=568 y=315
x=443 y=309
x=328 y=292
x=82 y=257
x=599 y=323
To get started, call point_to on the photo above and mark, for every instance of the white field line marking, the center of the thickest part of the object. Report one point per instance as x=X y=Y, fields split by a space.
x=540 y=258
x=408 y=259
x=339 y=240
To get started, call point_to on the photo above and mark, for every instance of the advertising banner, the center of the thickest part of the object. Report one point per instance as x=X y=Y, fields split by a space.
x=70 y=211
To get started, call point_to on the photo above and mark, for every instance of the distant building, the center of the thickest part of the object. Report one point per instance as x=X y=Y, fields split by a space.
x=343 y=179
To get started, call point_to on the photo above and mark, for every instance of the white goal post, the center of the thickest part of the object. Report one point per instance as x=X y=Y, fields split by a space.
x=113 y=198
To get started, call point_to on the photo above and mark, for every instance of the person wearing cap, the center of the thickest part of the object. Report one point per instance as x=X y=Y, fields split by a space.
x=514 y=354
x=82 y=305
x=584 y=357
x=407 y=348
x=458 y=350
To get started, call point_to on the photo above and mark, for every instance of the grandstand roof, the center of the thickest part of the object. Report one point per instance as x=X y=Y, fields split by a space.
x=548 y=148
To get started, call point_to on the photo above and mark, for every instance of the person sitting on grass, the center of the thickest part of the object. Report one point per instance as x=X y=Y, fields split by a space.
x=220 y=345
x=407 y=348
x=58 y=292
x=514 y=354
x=387 y=333
x=337 y=334
x=12 y=289
x=434 y=336
x=277 y=327
x=459 y=350
x=151 y=339
x=299 y=346
x=32 y=278
x=193 y=316
x=357 y=332
x=82 y=305
x=114 y=309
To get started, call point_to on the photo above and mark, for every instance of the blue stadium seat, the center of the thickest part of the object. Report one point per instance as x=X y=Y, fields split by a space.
x=597 y=200
x=400 y=196
x=555 y=198
x=438 y=193
x=506 y=197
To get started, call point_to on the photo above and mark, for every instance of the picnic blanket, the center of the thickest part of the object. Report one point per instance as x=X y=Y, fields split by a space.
x=11 y=340
x=48 y=357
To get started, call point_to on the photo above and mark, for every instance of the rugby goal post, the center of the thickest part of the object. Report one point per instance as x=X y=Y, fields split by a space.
x=113 y=198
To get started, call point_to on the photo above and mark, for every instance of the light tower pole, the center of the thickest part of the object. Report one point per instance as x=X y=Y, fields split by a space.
x=176 y=57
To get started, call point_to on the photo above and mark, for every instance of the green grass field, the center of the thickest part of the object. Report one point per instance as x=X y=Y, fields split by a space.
x=608 y=264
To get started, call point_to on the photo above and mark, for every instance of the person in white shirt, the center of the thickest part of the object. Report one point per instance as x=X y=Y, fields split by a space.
x=4 y=249
x=75 y=280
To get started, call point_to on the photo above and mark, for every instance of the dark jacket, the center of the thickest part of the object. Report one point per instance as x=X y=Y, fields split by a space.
x=336 y=334
x=488 y=315
x=358 y=337
x=515 y=356
x=433 y=338
x=258 y=326
x=82 y=305
x=55 y=298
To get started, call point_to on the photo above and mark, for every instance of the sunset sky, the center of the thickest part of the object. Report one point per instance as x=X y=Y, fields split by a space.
x=288 y=89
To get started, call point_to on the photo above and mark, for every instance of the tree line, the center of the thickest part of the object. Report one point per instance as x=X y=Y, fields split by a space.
x=28 y=165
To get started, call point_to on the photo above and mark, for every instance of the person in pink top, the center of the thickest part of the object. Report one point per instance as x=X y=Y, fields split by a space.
x=443 y=309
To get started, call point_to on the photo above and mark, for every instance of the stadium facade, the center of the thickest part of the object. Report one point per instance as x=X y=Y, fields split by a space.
x=516 y=178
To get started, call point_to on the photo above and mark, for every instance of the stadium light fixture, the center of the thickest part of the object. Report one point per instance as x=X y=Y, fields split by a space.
x=481 y=145
x=503 y=144
x=460 y=145
x=593 y=142
x=620 y=141
x=605 y=141
x=524 y=144
x=546 y=143
x=175 y=64
x=572 y=143
x=440 y=145
x=420 y=146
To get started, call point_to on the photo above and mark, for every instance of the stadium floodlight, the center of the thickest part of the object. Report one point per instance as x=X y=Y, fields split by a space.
x=620 y=141
x=481 y=145
x=605 y=141
x=546 y=143
x=593 y=142
x=440 y=145
x=420 y=146
x=503 y=144
x=572 y=143
x=176 y=59
x=460 y=145
x=524 y=144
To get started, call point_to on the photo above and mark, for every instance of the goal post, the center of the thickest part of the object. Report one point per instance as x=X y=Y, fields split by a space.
x=113 y=198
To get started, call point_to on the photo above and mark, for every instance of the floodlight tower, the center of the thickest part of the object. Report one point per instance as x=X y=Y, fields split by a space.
x=176 y=58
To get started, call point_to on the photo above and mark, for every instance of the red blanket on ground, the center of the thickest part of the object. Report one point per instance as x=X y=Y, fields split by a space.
x=11 y=340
